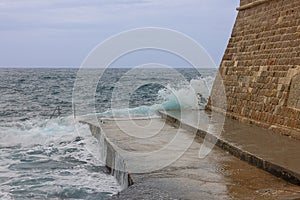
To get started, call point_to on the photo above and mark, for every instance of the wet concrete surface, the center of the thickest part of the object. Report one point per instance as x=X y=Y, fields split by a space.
x=177 y=172
x=261 y=147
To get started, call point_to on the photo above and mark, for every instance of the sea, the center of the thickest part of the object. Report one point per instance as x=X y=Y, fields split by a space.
x=42 y=156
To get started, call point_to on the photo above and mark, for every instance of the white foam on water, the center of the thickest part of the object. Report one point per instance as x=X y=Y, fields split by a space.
x=60 y=153
x=39 y=132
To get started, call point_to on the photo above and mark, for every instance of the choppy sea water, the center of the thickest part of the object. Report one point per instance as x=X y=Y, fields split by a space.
x=43 y=158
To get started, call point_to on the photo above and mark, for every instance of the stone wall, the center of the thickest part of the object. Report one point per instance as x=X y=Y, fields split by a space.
x=261 y=66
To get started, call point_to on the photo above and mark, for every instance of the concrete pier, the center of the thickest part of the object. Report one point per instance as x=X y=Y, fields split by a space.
x=220 y=175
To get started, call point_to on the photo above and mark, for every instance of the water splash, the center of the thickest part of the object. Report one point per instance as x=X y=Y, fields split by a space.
x=192 y=96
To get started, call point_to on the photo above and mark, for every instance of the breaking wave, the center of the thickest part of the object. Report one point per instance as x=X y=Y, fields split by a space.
x=190 y=96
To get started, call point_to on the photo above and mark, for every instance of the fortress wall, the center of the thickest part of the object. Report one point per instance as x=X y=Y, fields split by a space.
x=261 y=66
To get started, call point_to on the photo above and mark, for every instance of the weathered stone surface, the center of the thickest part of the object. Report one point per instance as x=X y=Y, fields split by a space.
x=294 y=96
x=261 y=60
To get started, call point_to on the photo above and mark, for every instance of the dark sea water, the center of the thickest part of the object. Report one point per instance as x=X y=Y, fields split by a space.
x=43 y=158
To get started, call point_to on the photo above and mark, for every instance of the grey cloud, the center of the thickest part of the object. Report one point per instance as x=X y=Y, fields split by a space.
x=27 y=26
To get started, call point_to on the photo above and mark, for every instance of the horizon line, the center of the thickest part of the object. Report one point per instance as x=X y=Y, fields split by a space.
x=78 y=67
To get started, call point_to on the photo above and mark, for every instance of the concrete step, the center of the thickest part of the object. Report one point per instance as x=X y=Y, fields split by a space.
x=274 y=153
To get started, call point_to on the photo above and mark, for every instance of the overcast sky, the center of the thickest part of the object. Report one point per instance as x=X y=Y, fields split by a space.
x=62 y=32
